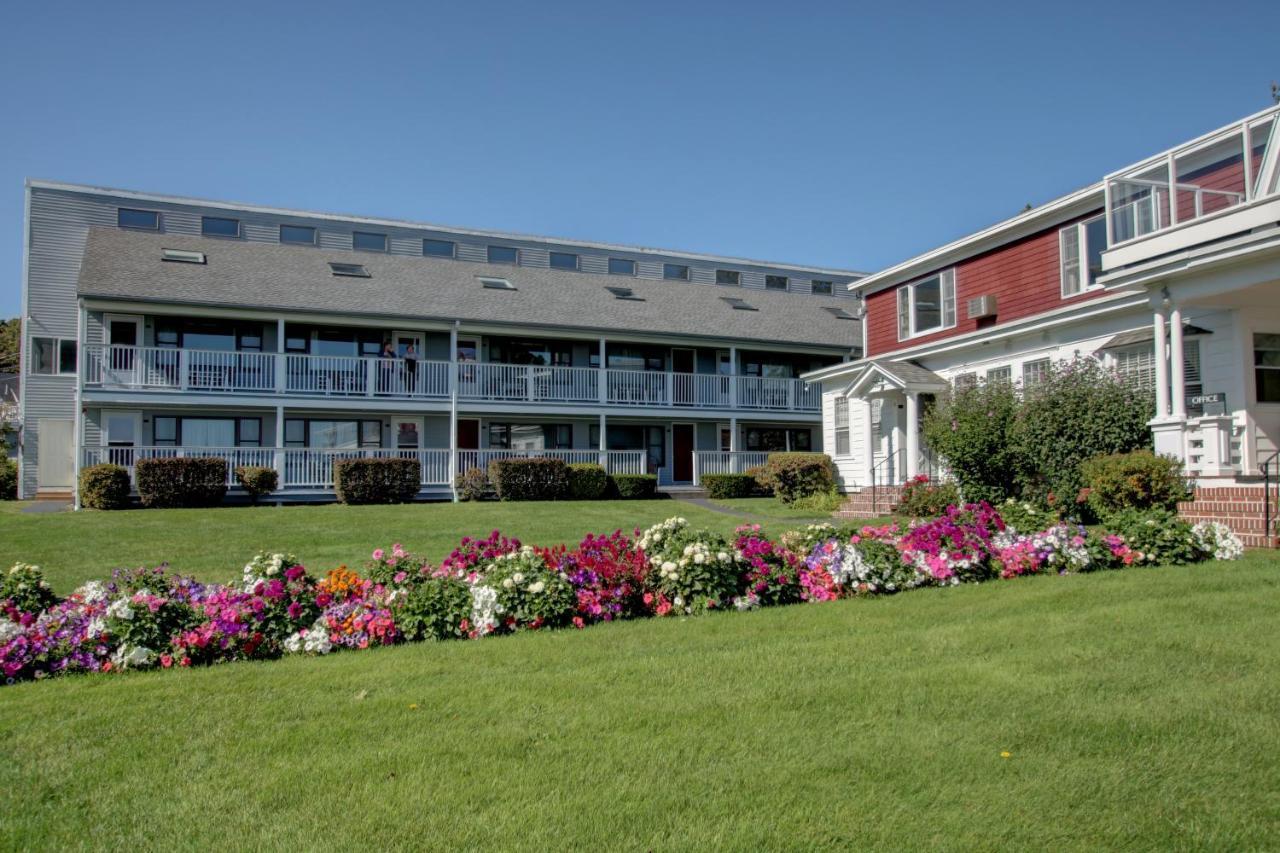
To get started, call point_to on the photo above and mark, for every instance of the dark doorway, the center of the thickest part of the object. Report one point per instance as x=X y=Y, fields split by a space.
x=682 y=452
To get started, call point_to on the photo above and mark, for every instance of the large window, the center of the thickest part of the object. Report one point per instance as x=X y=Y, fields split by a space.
x=927 y=305
x=732 y=277
x=503 y=255
x=776 y=282
x=299 y=234
x=778 y=439
x=822 y=287
x=53 y=356
x=1000 y=376
x=842 y=425
x=530 y=436
x=622 y=266
x=1080 y=248
x=1035 y=372
x=1266 y=367
x=540 y=353
x=562 y=260
x=1138 y=365
x=677 y=272
x=219 y=226
x=368 y=241
x=439 y=248
x=332 y=435
x=636 y=357
x=146 y=219
x=172 y=431
x=651 y=439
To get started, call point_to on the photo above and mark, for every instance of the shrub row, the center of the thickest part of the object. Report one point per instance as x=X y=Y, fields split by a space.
x=545 y=479
x=377 y=481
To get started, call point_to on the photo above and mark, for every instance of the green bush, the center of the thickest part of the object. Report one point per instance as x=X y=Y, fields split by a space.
x=25 y=588
x=1026 y=516
x=1137 y=480
x=8 y=479
x=922 y=498
x=1158 y=534
x=728 y=486
x=587 y=481
x=822 y=503
x=1079 y=411
x=193 y=481
x=256 y=480
x=971 y=429
x=796 y=475
x=376 y=481
x=104 y=486
x=473 y=485
x=633 y=486
x=756 y=473
x=537 y=479
x=435 y=609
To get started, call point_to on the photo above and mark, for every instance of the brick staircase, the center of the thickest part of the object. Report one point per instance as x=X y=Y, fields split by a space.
x=859 y=504
x=1242 y=508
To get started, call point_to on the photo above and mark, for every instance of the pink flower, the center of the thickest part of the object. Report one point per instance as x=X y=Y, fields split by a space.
x=400 y=577
x=377 y=553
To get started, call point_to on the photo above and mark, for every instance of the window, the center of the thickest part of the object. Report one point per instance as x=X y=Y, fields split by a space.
x=367 y=241
x=332 y=435
x=927 y=305
x=563 y=261
x=504 y=255
x=182 y=256
x=1266 y=367
x=1000 y=375
x=349 y=270
x=301 y=234
x=129 y=218
x=1035 y=372
x=1138 y=365
x=776 y=282
x=776 y=439
x=439 y=248
x=530 y=436
x=1084 y=240
x=821 y=287
x=842 y=426
x=732 y=277
x=966 y=380
x=675 y=272
x=219 y=226
x=170 y=431
x=622 y=266
x=53 y=356
x=165 y=432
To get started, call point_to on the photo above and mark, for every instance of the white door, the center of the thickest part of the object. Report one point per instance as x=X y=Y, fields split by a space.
x=124 y=334
x=408 y=347
x=55 y=466
x=121 y=435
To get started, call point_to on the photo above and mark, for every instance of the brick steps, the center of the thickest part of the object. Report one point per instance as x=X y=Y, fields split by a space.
x=860 y=505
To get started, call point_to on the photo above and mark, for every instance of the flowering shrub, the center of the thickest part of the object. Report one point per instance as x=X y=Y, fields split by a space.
x=1216 y=540
x=957 y=547
x=923 y=498
x=153 y=617
x=690 y=571
x=529 y=594
x=1025 y=516
x=24 y=587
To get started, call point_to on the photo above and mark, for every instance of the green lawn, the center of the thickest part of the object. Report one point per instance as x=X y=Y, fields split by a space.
x=214 y=544
x=1139 y=710
x=771 y=508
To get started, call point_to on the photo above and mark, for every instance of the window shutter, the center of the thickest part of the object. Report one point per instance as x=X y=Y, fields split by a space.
x=904 y=313
x=949 y=298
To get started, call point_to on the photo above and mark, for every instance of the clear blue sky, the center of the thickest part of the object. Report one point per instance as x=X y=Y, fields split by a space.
x=812 y=133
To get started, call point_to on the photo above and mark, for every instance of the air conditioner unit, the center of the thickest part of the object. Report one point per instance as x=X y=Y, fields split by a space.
x=982 y=306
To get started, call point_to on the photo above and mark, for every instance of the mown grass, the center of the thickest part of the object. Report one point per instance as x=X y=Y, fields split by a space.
x=1139 y=710
x=213 y=544
x=772 y=508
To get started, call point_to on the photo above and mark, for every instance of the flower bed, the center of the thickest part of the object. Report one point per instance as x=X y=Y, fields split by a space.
x=147 y=618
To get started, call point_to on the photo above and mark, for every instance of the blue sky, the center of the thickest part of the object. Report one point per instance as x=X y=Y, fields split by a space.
x=814 y=133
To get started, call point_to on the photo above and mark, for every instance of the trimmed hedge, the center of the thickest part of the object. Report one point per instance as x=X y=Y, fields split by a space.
x=257 y=480
x=104 y=486
x=536 y=479
x=587 y=481
x=633 y=486
x=756 y=473
x=377 y=481
x=798 y=475
x=724 y=486
x=472 y=485
x=193 y=481
x=8 y=478
x=1138 y=480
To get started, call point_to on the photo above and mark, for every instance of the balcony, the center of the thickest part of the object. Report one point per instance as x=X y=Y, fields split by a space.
x=161 y=369
x=1220 y=184
x=311 y=469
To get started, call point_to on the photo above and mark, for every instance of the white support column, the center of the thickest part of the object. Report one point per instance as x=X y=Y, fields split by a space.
x=868 y=442
x=913 y=434
x=1176 y=364
x=733 y=384
x=453 y=410
x=280 y=361
x=279 y=455
x=602 y=380
x=77 y=440
x=602 y=442
x=733 y=434
x=1162 y=365
x=894 y=469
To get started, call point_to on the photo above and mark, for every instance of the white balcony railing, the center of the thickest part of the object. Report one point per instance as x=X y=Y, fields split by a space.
x=614 y=461
x=725 y=462
x=186 y=370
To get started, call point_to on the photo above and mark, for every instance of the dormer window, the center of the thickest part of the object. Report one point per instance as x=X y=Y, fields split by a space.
x=349 y=270
x=147 y=220
x=504 y=255
x=298 y=234
x=182 y=256
x=821 y=287
x=776 y=282
x=928 y=305
x=729 y=277
x=839 y=313
x=368 y=241
x=622 y=266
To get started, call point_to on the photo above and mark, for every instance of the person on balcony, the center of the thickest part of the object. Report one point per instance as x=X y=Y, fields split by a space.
x=411 y=367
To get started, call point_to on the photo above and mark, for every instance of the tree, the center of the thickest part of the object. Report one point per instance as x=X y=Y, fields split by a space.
x=970 y=428
x=10 y=344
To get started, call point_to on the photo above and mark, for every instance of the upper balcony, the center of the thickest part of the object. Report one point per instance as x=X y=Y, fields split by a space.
x=169 y=370
x=1223 y=183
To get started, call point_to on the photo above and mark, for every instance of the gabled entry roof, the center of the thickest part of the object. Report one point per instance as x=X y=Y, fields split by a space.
x=902 y=375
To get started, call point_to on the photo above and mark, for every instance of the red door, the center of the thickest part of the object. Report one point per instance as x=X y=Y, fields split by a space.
x=468 y=435
x=682 y=452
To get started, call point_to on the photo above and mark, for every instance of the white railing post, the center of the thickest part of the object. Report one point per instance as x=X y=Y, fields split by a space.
x=528 y=383
x=1173 y=191
x=697 y=469
x=370 y=374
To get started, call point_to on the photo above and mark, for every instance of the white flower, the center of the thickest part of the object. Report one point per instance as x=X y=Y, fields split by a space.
x=675 y=576
x=722 y=557
x=91 y=592
x=95 y=628
x=518 y=577
x=485 y=608
x=131 y=657
x=699 y=558
x=8 y=630
x=537 y=587
x=508 y=583
x=120 y=609
x=678 y=601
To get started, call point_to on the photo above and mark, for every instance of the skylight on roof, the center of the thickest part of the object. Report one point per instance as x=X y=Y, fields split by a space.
x=625 y=293
x=838 y=313
x=738 y=304
x=182 y=256
x=497 y=284
x=351 y=270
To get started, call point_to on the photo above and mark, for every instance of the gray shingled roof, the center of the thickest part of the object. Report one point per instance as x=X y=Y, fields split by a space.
x=910 y=373
x=122 y=264
x=1147 y=335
